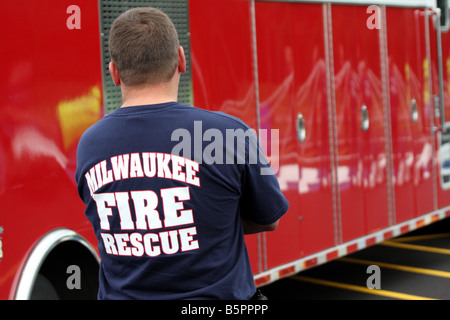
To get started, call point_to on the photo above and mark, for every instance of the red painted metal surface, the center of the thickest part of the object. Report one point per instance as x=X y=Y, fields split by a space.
x=51 y=92
x=361 y=154
x=445 y=38
x=292 y=80
x=222 y=63
x=411 y=138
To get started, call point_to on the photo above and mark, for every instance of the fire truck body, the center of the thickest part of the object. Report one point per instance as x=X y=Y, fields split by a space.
x=353 y=89
x=354 y=98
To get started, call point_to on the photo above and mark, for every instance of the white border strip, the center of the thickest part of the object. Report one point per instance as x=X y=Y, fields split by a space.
x=327 y=255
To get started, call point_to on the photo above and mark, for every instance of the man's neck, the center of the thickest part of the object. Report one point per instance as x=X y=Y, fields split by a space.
x=146 y=95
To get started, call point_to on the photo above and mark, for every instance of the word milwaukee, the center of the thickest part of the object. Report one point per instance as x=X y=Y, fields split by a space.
x=140 y=165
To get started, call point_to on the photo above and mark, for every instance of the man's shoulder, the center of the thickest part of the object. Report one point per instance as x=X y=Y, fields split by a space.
x=219 y=119
x=93 y=130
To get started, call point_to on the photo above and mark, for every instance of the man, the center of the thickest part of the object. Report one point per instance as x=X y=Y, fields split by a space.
x=169 y=226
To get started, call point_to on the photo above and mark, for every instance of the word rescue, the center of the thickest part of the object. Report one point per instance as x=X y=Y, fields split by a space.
x=133 y=241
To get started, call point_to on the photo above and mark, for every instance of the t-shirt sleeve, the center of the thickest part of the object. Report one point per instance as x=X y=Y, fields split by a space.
x=262 y=201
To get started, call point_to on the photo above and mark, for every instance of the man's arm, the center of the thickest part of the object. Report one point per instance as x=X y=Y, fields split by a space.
x=251 y=227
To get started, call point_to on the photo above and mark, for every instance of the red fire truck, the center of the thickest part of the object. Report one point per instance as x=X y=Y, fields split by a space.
x=356 y=93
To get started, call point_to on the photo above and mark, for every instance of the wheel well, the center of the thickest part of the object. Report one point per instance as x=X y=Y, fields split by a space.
x=54 y=275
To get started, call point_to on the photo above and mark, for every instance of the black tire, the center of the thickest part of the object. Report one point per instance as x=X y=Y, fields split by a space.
x=43 y=289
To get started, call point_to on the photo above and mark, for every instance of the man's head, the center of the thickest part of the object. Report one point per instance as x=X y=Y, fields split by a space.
x=144 y=47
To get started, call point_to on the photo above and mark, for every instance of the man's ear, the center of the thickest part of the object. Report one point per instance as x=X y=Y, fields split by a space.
x=114 y=73
x=181 y=60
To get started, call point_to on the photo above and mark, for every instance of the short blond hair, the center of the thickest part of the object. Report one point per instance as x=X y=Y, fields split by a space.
x=143 y=44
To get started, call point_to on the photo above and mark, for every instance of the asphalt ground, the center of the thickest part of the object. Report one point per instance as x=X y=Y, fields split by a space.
x=414 y=266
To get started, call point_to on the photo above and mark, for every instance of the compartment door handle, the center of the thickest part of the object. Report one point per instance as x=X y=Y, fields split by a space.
x=414 y=111
x=364 y=118
x=301 y=130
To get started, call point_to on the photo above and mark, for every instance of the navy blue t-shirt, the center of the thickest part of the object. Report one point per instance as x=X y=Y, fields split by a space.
x=165 y=187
